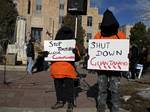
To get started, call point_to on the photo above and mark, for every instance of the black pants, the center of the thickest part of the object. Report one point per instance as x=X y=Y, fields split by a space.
x=133 y=70
x=64 y=89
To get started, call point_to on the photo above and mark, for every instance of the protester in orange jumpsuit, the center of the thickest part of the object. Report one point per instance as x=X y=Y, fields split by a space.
x=108 y=81
x=64 y=73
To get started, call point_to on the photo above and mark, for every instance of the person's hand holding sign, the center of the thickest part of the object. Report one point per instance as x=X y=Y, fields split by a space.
x=75 y=50
x=77 y=54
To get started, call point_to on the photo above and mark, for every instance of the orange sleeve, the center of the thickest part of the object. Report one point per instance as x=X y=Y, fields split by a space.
x=121 y=35
x=97 y=36
x=78 y=52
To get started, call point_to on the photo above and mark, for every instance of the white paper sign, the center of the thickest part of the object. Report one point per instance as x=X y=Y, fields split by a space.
x=59 y=50
x=108 y=54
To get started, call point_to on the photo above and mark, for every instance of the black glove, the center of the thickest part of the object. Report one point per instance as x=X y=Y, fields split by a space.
x=88 y=57
x=45 y=53
x=74 y=51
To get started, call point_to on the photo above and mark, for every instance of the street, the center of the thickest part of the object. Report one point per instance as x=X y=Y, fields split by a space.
x=35 y=93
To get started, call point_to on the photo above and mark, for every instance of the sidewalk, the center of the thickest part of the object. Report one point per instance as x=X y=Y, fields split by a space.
x=13 y=68
x=35 y=93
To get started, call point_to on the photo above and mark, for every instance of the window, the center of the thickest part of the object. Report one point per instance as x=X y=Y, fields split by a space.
x=61 y=19
x=38 y=7
x=36 y=34
x=89 y=36
x=61 y=6
x=29 y=6
x=89 y=21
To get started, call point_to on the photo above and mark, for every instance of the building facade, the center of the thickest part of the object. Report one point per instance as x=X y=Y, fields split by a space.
x=91 y=23
x=45 y=17
x=42 y=18
x=126 y=30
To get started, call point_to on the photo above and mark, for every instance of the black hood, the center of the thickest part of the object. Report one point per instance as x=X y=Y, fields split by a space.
x=109 y=25
x=64 y=33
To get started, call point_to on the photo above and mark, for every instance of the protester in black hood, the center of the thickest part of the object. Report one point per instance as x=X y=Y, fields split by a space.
x=64 y=33
x=64 y=73
x=108 y=81
x=109 y=25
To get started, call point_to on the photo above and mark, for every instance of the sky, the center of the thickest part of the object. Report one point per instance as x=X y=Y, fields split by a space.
x=126 y=11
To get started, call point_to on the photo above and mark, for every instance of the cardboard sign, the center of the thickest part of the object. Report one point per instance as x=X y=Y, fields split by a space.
x=59 y=50
x=109 y=54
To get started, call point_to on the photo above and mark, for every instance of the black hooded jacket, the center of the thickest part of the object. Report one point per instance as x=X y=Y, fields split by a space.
x=109 y=25
x=64 y=33
x=30 y=50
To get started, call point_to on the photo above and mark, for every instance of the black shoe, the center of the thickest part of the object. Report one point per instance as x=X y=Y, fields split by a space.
x=70 y=108
x=59 y=104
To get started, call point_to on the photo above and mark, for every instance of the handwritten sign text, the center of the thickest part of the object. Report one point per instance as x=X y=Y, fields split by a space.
x=109 y=54
x=59 y=50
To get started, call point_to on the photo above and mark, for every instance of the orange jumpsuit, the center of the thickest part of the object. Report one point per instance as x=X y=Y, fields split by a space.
x=62 y=69
x=119 y=35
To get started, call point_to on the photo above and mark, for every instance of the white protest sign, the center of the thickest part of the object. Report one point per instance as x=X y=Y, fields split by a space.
x=108 y=54
x=59 y=50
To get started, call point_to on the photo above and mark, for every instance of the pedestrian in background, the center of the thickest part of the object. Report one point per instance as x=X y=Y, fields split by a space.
x=108 y=81
x=144 y=57
x=30 y=56
x=134 y=59
x=64 y=74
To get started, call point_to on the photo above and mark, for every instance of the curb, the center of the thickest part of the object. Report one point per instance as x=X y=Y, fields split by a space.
x=13 y=68
x=14 y=109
